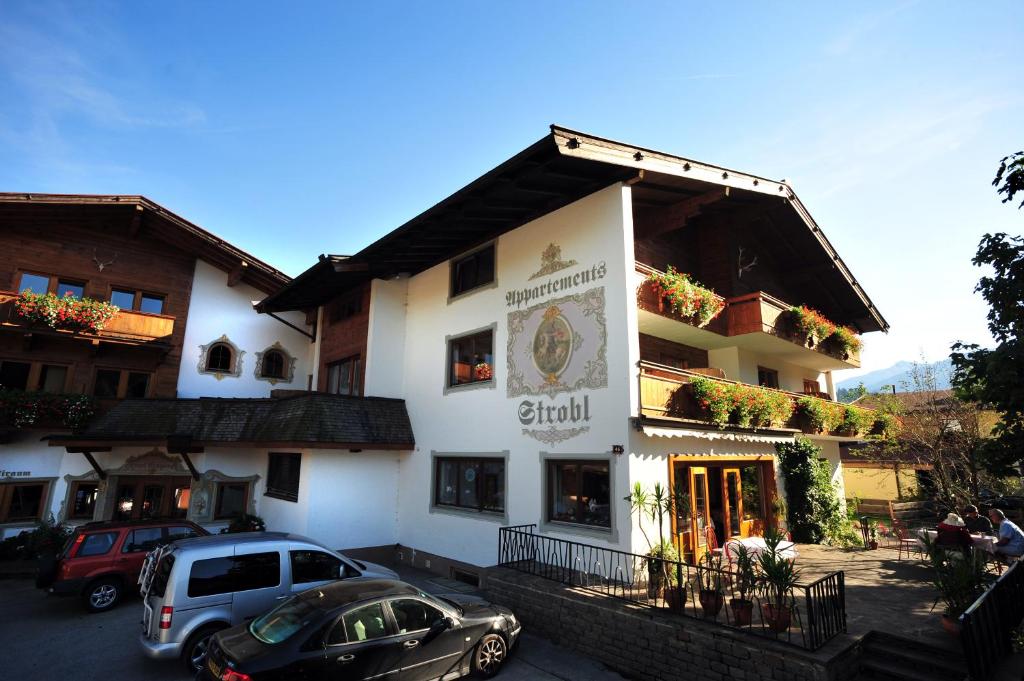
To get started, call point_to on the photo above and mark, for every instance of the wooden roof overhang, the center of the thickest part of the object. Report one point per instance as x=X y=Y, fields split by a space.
x=564 y=167
x=133 y=215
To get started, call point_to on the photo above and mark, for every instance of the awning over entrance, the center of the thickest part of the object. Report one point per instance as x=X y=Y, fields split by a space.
x=656 y=431
x=308 y=420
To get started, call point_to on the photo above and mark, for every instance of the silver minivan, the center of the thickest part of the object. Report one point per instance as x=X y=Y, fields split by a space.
x=193 y=588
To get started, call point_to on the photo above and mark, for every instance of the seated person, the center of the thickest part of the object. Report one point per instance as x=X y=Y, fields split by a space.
x=977 y=524
x=953 y=534
x=1011 y=540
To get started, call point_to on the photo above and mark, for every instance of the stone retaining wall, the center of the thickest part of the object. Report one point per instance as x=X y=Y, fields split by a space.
x=643 y=643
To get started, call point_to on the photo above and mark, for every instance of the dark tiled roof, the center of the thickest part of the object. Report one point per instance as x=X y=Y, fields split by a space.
x=312 y=418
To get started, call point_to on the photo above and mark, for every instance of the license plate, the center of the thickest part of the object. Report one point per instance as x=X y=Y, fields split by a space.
x=213 y=667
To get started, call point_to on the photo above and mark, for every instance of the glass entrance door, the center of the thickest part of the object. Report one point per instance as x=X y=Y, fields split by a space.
x=701 y=510
x=732 y=501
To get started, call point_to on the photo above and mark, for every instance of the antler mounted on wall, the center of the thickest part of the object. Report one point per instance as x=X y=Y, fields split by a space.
x=744 y=268
x=101 y=264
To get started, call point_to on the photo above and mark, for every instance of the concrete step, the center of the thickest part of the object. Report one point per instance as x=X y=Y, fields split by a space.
x=893 y=658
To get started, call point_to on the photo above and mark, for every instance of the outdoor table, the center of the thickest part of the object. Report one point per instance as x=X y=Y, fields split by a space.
x=757 y=545
x=984 y=542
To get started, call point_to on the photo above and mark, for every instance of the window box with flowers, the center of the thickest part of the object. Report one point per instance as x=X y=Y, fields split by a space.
x=813 y=329
x=66 y=313
x=685 y=297
x=746 y=406
x=821 y=416
x=25 y=409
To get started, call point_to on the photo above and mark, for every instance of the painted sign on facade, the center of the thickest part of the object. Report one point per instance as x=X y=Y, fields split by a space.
x=555 y=347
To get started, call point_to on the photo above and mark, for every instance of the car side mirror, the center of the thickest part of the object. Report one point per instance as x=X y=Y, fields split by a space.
x=442 y=624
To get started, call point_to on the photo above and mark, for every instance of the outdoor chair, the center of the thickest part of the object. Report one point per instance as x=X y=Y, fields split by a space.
x=904 y=540
x=712 y=541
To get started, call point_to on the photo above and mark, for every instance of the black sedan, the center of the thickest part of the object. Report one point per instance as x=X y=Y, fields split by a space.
x=366 y=629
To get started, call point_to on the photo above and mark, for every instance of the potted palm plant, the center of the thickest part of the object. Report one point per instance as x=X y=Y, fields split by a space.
x=745 y=581
x=872 y=534
x=778 y=577
x=711 y=591
x=660 y=557
x=959 y=582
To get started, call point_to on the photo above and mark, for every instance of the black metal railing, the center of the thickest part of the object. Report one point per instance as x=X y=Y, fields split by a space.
x=808 y=616
x=988 y=625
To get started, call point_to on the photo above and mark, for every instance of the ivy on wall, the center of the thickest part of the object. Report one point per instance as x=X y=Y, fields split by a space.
x=814 y=510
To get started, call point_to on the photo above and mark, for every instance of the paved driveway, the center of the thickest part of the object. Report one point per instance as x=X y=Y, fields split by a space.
x=46 y=637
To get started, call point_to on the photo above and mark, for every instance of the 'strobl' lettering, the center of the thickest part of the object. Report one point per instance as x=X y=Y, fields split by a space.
x=541 y=412
x=523 y=296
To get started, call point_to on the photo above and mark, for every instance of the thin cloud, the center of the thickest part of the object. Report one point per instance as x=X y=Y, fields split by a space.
x=847 y=40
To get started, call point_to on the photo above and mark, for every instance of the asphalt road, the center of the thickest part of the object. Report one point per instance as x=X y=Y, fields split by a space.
x=46 y=637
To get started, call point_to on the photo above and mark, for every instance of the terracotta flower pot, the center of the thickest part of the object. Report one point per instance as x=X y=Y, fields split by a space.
x=655 y=580
x=778 y=619
x=951 y=625
x=873 y=544
x=742 y=611
x=675 y=598
x=711 y=603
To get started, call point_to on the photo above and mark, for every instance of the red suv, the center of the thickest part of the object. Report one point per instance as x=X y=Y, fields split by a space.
x=102 y=560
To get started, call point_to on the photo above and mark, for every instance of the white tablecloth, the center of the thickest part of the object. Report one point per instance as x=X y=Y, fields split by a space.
x=756 y=546
x=984 y=542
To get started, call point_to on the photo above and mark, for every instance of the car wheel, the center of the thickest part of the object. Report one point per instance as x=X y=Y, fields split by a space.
x=193 y=654
x=489 y=655
x=103 y=594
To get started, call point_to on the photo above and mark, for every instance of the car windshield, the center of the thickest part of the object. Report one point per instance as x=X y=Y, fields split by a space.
x=282 y=622
x=443 y=602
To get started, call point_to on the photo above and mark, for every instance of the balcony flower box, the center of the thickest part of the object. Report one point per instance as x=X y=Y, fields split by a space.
x=815 y=415
x=810 y=327
x=24 y=409
x=676 y=291
x=64 y=313
x=746 y=406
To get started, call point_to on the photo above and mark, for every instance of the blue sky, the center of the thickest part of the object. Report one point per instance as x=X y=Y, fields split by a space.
x=311 y=128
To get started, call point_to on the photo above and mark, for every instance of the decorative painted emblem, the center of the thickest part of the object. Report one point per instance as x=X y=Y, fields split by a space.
x=552 y=345
x=558 y=346
x=551 y=261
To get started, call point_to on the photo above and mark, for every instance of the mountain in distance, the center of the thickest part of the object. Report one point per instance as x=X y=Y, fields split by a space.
x=900 y=375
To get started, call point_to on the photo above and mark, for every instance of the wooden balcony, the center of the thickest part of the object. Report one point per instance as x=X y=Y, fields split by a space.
x=666 y=393
x=755 y=321
x=127 y=327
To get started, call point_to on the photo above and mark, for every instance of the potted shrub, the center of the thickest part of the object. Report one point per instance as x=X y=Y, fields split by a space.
x=685 y=297
x=660 y=562
x=810 y=325
x=661 y=558
x=711 y=591
x=872 y=534
x=778 y=577
x=844 y=341
x=745 y=581
x=959 y=582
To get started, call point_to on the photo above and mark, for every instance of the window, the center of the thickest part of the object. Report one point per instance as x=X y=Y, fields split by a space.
x=343 y=377
x=348 y=306
x=152 y=304
x=234 y=573
x=22 y=501
x=811 y=387
x=365 y=623
x=36 y=283
x=471 y=358
x=182 y=532
x=83 y=500
x=579 y=492
x=129 y=299
x=767 y=378
x=286 y=620
x=14 y=375
x=123 y=299
x=98 y=544
x=70 y=288
x=273 y=364
x=470 y=483
x=315 y=566
x=53 y=378
x=137 y=385
x=283 y=476
x=106 y=384
x=231 y=499
x=218 y=359
x=472 y=271
x=413 y=615
x=143 y=539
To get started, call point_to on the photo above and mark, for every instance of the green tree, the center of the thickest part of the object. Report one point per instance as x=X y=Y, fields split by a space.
x=814 y=511
x=994 y=376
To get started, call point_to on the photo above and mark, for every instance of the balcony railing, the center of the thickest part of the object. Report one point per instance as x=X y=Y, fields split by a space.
x=756 y=312
x=667 y=393
x=127 y=326
x=817 y=611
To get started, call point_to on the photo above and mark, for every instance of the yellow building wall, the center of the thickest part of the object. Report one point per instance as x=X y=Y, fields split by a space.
x=877 y=483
